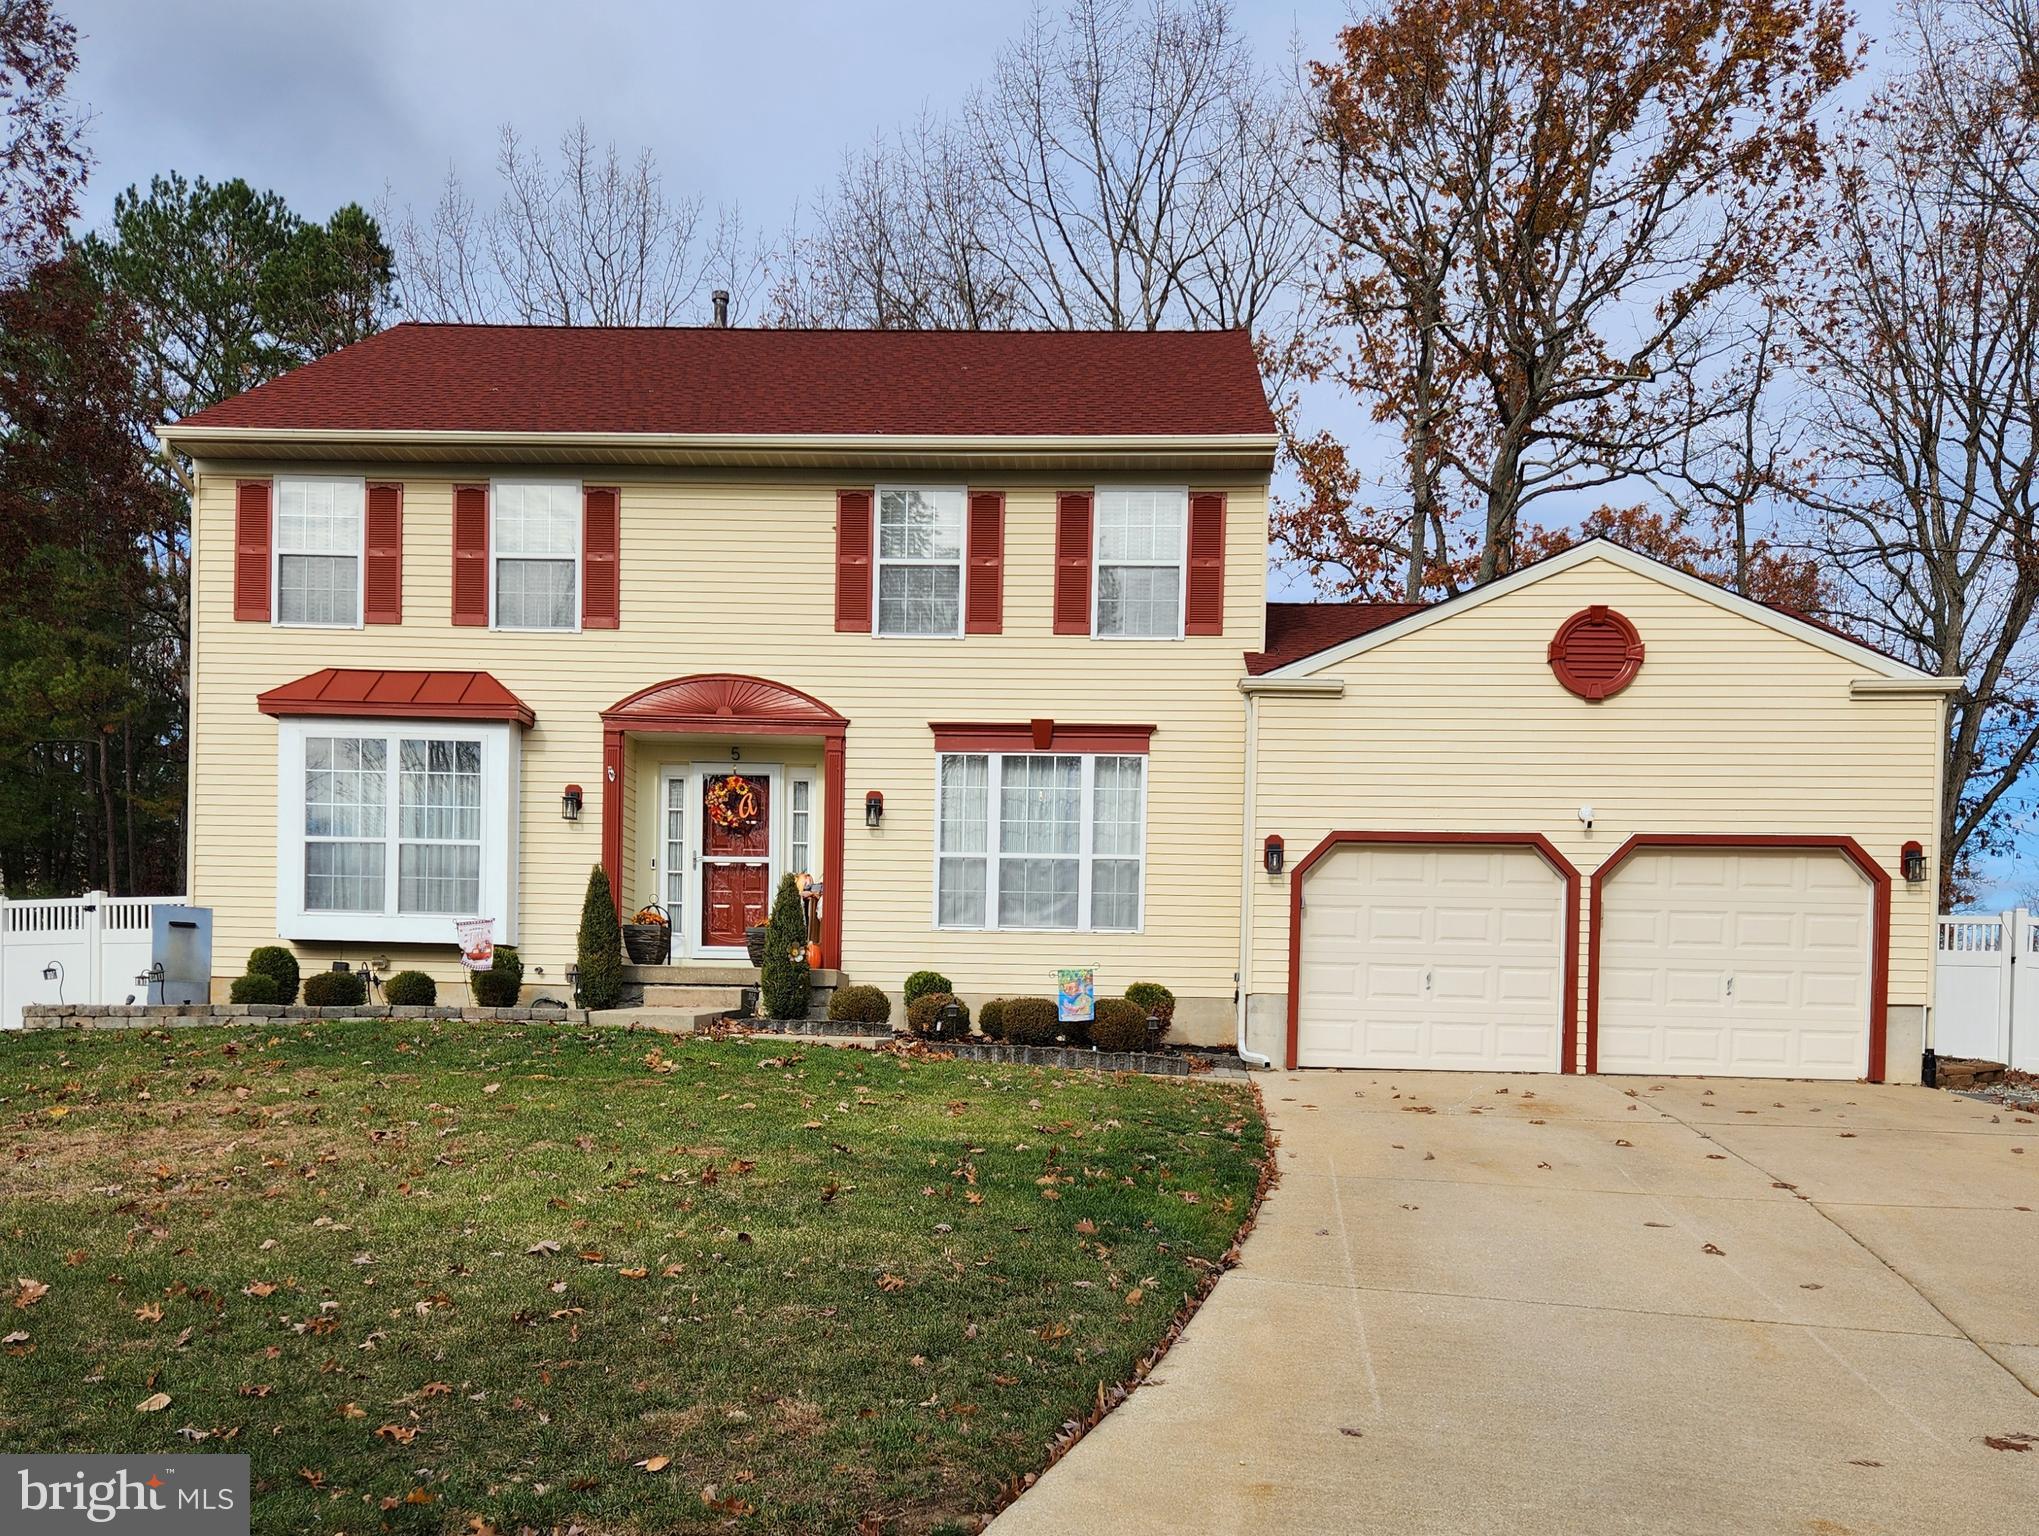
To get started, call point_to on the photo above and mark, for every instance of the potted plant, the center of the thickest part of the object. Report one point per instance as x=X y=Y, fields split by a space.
x=755 y=938
x=647 y=937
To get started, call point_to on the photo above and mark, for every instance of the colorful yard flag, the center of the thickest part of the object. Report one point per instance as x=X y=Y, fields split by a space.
x=477 y=942
x=1076 y=994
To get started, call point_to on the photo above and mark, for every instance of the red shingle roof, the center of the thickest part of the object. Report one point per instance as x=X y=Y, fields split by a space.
x=372 y=694
x=1296 y=630
x=487 y=378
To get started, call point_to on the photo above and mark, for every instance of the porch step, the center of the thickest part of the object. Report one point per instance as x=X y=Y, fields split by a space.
x=692 y=996
x=700 y=989
x=706 y=974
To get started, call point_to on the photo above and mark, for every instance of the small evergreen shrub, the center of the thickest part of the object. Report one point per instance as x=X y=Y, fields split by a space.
x=923 y=1017
x=1075 y=1031
x=599 y=952
x=275 y=961
x=991 y=1019
x=334 y=989
x=1154 y=1000
x=255 y=987
x=502 y=983
x=410 y=989
x=1120 y=1025
x=782 y=978
x=860 y=1005
x=920 y=983
x=1029 y=1020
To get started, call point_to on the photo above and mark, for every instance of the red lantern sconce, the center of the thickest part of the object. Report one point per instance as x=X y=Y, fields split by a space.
x=1272 y=852
x=570 y=802
x=874 y=809
x=1912 y=860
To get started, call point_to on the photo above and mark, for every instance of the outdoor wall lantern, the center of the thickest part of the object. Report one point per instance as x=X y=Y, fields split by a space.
x=570 y=802
x=1271 y=853
x=1913 y=862
x=573 y=981
x=874 y=809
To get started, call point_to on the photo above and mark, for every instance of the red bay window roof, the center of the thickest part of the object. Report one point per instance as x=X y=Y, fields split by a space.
x=366 y=693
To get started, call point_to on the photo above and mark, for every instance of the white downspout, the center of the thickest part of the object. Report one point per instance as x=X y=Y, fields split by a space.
x=1244 y=975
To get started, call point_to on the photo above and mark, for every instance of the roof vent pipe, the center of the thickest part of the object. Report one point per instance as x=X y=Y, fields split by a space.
x=722 y=309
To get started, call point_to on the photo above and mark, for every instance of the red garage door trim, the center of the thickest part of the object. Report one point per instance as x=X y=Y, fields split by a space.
x=1879 y=948
x=1568 y=1048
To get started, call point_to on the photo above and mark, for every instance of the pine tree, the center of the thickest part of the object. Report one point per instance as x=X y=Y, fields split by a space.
x=600 y=953
x=783 y=976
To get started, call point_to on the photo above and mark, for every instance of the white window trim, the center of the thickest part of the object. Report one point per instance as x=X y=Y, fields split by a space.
x=277 y=552
x=500 y=777
x=1086 y=827
x=1097 y=495
x=580 y=556
x=878 y=563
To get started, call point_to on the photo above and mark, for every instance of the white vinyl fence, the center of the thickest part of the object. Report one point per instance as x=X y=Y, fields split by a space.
x=1986 y=989
x=82 y=949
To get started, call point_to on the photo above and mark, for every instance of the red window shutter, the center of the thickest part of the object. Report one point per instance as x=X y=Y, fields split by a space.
x=1204 y=604
x=1072 y=563
x=853 y=561
x=601 y=540
x=471 y=554
x=382 y=581
x=985 y=595
x=251 y=551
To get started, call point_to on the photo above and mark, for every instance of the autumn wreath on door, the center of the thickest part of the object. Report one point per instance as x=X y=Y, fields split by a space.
x=732 y=803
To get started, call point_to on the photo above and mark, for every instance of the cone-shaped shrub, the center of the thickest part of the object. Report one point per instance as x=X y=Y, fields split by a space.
x=782 y=979
x=600 y=951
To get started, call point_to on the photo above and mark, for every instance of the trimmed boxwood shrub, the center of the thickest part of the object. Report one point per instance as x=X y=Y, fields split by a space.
x=599 y=951
x=1120 y=1025
x=1154 y=1000
x=334 y=989
x=275 y=961
x=782 y=978
x=859 y=1005
x=923 y=1016
x=921 y=983
x=255 y=987
x=410 y=989
x=1030 y=1020
x=991 y=1019
x=503 y=982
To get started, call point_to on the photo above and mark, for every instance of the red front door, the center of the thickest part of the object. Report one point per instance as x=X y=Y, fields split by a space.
x=736 y=847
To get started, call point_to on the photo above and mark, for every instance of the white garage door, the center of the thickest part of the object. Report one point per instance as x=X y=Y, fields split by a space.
x=1420 y=956
x=1738 y=963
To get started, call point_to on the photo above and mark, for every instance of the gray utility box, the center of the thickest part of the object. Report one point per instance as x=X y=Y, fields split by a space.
x=180 y=956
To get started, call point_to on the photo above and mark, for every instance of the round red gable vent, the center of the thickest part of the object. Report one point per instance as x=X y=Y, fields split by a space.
x=1596 y=653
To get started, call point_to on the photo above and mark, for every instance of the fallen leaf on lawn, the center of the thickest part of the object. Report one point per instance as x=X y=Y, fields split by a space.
x=1053 y=1331
x=316 y=1479
x=543 y=1247
x=352 y=1411
x=251 y=1390
x=259 y=1289
x=491 y=1087
x=149 y=1312
x=155 y=1402
x=633 y=1274
x=402 y=1434
x=655 y=1463
x=891 y=1283
x=435 y=1389
x=19 y=1336
x=28 y=1292
x=1087 y=1227
x=58 y=1111
x=1134 y=1296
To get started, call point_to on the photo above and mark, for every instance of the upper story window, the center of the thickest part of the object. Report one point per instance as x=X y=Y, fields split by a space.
x=920 y=562
x=1139 y=559
x=536 y=554
x=318 y=551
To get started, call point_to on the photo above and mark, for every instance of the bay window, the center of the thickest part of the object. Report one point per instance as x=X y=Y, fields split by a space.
x=920 y=562
x=536 y=553
x=387 y=830
x=1040 y=840
x=1139 y=557
x=318 y=550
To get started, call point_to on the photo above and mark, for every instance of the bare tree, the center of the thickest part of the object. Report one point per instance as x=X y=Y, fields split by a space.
x=1919 y=333
x=587 y=239
x=1550 y=214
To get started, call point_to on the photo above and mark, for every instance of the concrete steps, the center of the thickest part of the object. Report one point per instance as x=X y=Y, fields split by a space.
x=703 y=989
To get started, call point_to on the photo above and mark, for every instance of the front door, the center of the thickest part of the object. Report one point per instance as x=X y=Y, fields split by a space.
x=736 y=853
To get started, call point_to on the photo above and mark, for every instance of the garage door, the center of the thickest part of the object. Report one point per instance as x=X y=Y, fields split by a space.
x=1420 y=956
x=1751 y=964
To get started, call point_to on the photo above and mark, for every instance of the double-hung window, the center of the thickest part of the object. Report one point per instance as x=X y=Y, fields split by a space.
x=318 y=550
x=920 y=562
x=1040 y=840
x=536 y=545
x=1140 y=540
x=386 y=830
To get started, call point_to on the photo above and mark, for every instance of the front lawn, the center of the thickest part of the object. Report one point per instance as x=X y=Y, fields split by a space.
x=443 y=1277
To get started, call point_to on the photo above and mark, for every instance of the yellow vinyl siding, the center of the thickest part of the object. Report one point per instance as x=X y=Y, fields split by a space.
x=731 y=572
x=1730 y=727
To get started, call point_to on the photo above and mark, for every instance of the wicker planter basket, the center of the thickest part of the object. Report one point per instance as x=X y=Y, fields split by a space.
x=647 y=943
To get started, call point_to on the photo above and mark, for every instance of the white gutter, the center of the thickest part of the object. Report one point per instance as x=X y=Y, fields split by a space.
x=1904 y=687
x=1251 y=688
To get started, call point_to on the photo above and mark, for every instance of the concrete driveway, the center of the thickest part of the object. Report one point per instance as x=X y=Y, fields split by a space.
x=1498 y=1303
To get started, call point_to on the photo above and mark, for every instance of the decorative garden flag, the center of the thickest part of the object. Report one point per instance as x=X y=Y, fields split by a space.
x=477 y=942
x=1076 y=994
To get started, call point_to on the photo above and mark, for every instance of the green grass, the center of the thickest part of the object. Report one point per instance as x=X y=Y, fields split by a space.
x=830 y=1286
